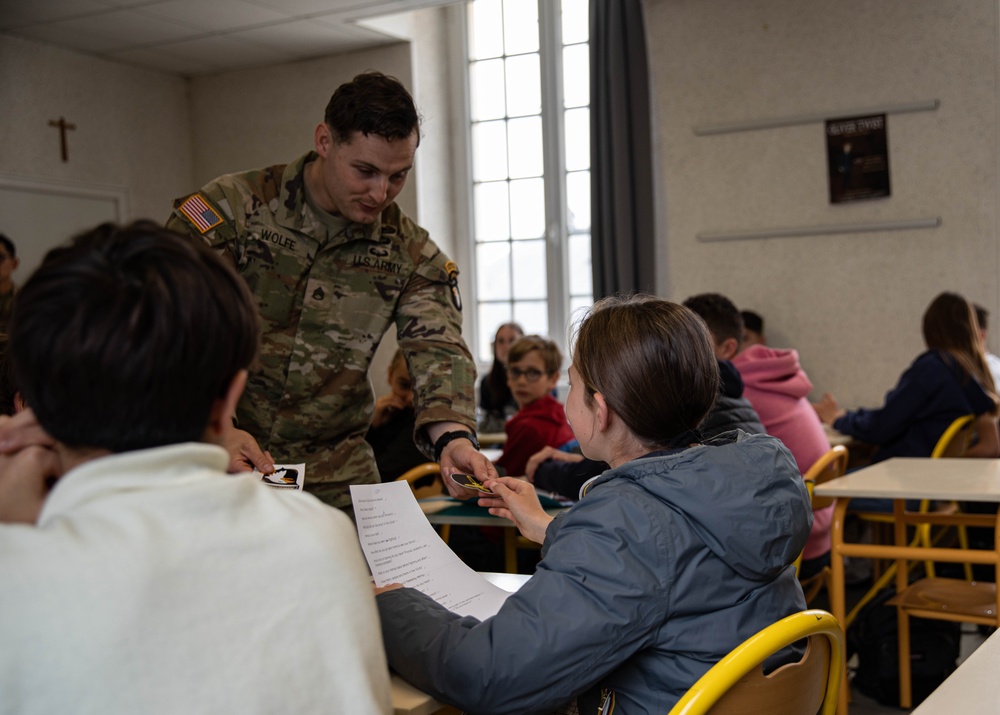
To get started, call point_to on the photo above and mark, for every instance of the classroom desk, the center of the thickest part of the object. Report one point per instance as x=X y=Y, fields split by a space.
x=492 y=439
x=836 y=438
x=470 y=514
x=859 y=453
x=971 y=688
x=901 y=479
x=407 y=700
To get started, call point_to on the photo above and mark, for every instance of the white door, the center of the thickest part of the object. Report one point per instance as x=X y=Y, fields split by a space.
x=38 y=215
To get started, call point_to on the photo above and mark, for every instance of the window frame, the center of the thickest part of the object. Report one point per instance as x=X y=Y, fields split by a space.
x=557 y=232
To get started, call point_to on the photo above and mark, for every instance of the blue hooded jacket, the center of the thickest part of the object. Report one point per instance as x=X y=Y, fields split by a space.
x=667 y=563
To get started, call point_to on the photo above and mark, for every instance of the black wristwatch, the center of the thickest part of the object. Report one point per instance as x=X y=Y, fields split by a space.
x=448 y=437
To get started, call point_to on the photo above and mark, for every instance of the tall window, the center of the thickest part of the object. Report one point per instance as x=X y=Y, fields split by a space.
x=529 y=87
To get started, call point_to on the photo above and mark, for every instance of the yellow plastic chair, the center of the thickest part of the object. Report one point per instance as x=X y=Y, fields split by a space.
x=831 y=465
x=424 y=480
x=737 y=684
x=953 y=443
x=945 y=599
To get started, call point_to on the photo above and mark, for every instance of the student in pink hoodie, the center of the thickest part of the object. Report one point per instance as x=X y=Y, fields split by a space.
x=778 y=388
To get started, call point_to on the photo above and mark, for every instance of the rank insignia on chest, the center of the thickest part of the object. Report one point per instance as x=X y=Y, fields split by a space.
x=200 y=213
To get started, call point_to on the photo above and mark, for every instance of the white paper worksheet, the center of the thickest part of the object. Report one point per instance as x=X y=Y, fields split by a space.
x=402 y=547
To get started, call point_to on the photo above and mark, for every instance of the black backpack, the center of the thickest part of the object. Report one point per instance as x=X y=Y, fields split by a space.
x=934 y=647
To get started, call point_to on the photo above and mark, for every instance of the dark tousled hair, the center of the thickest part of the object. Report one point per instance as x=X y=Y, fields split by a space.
x=720 y=314
x=9 y=245
x=124 y=338
x=752 y=321
x=372 y=103
x=653 y=362
x=7 y=385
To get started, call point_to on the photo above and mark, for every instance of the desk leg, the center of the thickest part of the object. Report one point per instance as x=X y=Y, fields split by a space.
x=510 y=549
x=902 y=620
x=838 y=603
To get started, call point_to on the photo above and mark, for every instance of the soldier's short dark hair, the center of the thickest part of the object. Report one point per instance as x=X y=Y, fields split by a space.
x=124 y=338
x=8 y=245
x=372 y=103
x=720 y=315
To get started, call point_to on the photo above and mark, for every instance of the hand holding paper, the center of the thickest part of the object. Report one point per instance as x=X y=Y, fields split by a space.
x=515 y=499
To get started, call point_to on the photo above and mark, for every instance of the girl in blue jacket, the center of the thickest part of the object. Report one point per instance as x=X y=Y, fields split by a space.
x=672 y=557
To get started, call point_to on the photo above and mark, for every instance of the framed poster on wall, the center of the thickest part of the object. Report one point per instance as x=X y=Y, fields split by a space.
x=857 y=158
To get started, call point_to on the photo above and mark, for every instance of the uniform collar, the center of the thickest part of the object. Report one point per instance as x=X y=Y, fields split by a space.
x=293 y=211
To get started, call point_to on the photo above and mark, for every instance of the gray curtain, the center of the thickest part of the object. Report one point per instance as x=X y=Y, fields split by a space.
x=622 y=218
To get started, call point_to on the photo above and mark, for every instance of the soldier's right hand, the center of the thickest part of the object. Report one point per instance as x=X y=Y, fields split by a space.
x=245 y=454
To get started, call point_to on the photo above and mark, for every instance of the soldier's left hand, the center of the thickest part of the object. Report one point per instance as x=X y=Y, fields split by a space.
x=461 y=456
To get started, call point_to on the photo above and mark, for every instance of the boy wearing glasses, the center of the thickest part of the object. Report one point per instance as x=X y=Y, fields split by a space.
x=532 y=373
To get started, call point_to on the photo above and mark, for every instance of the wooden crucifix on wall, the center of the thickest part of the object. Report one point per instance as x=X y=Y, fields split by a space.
x=63 y=127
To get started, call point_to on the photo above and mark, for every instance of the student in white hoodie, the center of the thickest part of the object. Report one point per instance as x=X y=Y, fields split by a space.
x=138 y=577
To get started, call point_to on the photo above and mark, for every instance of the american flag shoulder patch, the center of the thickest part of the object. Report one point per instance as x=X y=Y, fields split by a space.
x=199 y=212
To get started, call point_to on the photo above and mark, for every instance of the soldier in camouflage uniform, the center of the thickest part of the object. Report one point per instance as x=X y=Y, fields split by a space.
x=333 y=263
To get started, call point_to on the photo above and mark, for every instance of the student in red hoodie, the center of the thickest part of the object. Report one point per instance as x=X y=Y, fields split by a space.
x=532 y=373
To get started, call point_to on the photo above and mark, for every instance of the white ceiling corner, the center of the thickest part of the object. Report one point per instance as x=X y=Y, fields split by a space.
x=192 y=37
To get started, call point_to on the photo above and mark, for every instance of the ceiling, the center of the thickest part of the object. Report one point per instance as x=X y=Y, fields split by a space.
x=195 y=37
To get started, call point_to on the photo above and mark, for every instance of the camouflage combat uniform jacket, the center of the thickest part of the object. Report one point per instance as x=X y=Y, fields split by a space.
x=326 y=298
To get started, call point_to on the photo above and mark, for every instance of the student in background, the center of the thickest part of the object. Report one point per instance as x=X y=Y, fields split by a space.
x=148 y=580
x=732 y=410
x=391 y=433
x=8 y=289
x=496 y=401
x=671 y=559
x=532 y=373
x=10 y=399
x=778 y=388
x=753 y=329
x=948 y=380
x=992 y=361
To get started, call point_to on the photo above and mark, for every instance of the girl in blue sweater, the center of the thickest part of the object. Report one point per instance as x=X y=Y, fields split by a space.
x=950 y=379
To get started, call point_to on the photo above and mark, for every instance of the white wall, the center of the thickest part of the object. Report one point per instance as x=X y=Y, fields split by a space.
x=132 y=125
x=851 y=304
x=249 y=119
